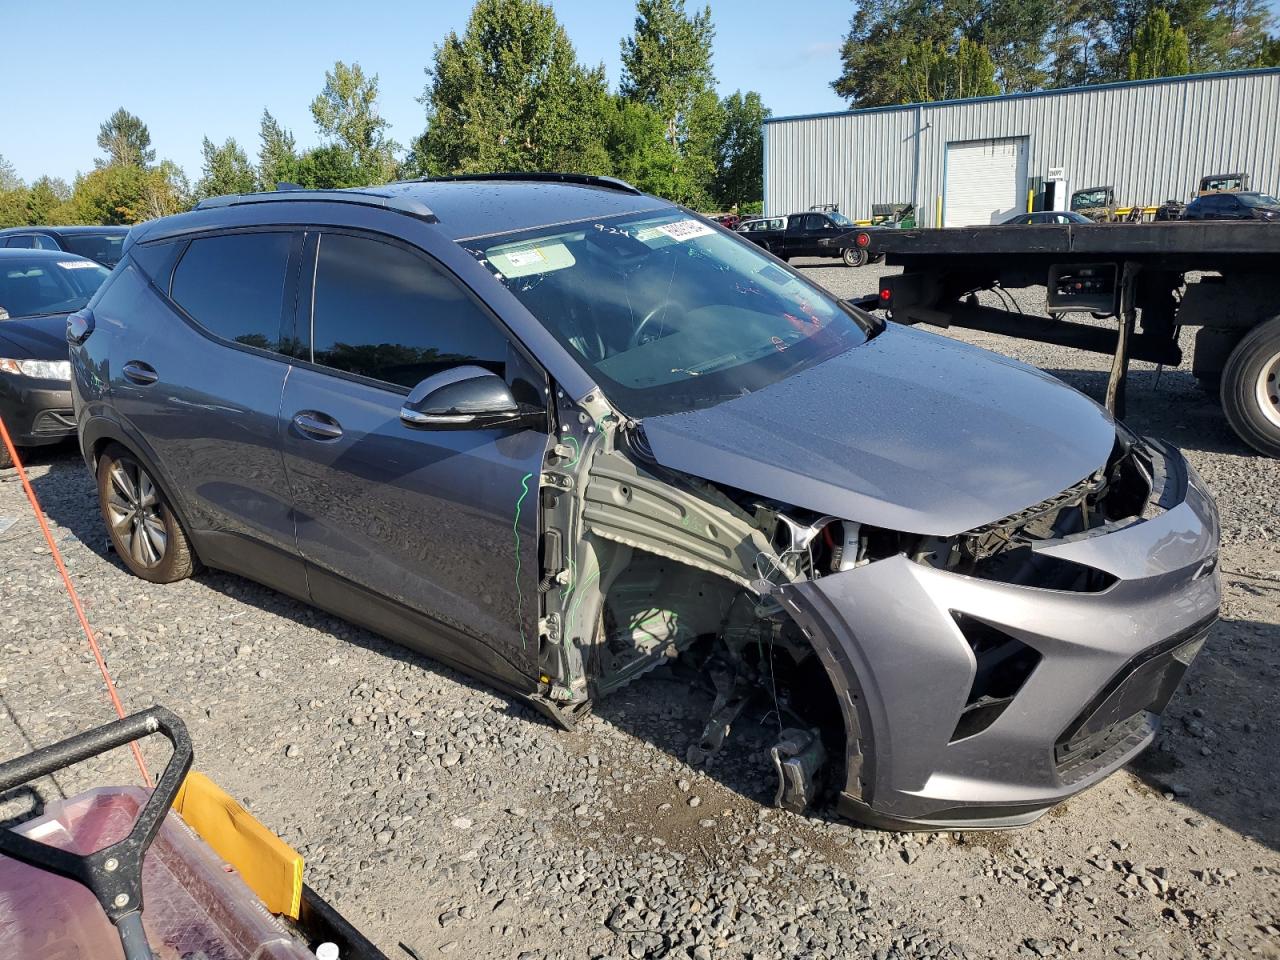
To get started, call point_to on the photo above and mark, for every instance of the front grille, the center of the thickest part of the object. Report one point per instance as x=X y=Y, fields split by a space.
x=1128 y=709
x=54 y=423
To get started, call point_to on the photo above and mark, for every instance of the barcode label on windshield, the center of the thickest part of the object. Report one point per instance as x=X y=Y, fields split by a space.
x=683 y=230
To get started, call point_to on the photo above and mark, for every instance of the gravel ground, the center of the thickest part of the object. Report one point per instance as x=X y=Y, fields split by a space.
x=440 y=815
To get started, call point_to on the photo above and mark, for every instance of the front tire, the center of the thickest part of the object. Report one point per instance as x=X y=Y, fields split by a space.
x=143 y=528
x=854 y=256
x=1251 y=388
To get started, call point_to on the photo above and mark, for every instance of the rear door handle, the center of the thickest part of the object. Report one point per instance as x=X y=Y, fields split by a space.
x=318 y=426
x=140 y=373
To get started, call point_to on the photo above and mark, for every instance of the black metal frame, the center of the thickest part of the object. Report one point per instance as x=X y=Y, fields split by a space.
x=114 y=873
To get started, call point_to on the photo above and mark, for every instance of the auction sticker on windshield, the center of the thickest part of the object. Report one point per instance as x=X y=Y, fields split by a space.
x=685 y=230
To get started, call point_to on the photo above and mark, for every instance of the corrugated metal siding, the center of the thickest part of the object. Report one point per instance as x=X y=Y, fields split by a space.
x=1152 y=141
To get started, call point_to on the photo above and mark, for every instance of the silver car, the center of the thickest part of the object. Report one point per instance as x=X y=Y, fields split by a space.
x=559 y=433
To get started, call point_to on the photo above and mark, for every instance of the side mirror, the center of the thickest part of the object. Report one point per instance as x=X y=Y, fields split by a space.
x=464 y=398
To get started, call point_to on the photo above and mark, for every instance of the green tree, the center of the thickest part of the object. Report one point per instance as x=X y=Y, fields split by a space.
x=639 y=151
x=226 y=170
x=932 y=72
x=346 y=114
x=277 y=153
x=126 y=193
x=9 y=179
x=739 y=150
x=666 y=62
x=509 y=94
x=13 y=196
x=125 y=140
x=329 y=168
x=47 y=201
x=1269 y=54
x=1159 y=49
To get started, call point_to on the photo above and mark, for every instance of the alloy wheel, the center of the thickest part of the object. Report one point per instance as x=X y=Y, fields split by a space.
x=133 y=507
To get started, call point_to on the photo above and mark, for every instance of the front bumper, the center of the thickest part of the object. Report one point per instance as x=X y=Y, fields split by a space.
x=892 y=634
x=35 y=411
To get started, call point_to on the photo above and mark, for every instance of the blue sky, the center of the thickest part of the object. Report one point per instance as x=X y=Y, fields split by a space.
x=190 y=70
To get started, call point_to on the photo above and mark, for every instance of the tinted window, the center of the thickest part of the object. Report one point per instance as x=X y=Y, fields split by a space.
x=389 y=314
x=26 y=242
x=156 y=260
x=43 y=242
x=233 y=286
x=103 y=247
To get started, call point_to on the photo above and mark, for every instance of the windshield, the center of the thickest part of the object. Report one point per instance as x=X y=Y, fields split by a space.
x=1093 y=198
x=1258 y=200
x=31 y=287
x=841 y=219
x=667 y=313
x=103 y=247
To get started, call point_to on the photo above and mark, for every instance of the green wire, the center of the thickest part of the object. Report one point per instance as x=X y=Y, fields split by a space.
x=577 y=451
x=515 y=527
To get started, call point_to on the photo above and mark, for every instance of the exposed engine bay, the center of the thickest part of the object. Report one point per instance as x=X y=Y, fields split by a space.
x=642 y=566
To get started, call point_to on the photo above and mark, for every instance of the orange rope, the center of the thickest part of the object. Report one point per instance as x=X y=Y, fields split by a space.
x=71 y=592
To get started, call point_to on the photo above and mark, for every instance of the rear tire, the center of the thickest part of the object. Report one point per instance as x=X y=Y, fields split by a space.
x=854 y=256
x=5 y=459
x=143 y=528
x=1251 y=388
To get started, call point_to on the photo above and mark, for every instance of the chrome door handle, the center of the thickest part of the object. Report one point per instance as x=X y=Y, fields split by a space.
x=140 y=373
x=316 y=425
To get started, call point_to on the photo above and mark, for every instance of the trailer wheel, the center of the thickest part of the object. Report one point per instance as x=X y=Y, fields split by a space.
x=1251 y=388
x=854 y=256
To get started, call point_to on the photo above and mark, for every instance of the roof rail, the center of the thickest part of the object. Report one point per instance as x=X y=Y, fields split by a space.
x=368 y=198
x=584 y=179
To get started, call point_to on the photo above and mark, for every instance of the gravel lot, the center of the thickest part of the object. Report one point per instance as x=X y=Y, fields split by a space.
x=439 y=815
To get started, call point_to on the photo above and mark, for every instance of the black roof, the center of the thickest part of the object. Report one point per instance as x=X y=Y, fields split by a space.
x=72 y=230
x=468 y=206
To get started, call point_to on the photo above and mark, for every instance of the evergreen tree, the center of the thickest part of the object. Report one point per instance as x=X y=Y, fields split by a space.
x=509 y=94
x=277 y=155
x=1159 y=49
x=125 y=140
x=226 y=170
x=46 y=201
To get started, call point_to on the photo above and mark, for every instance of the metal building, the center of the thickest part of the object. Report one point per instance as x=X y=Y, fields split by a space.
x=962 y=162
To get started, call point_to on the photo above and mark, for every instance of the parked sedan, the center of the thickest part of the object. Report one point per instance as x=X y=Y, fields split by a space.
x=1047 y=217
x=101 y=244
x=37 y=291
x=1234 y=206
x=561 y=433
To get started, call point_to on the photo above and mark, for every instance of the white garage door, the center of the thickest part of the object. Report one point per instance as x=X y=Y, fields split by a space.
x=986 y=181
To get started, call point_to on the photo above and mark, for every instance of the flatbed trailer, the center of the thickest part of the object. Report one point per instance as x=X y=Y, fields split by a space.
x=1152 y=278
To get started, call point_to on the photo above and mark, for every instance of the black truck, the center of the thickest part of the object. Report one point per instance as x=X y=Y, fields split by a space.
x=1154 y=278
x=814 y=233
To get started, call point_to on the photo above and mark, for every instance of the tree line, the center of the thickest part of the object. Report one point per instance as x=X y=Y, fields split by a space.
x=507 y=94
x=909 y=51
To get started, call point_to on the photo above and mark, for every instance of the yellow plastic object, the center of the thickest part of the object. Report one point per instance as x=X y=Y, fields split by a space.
x=269 y=867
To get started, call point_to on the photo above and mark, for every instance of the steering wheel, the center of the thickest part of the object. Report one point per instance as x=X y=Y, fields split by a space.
x=642 y=334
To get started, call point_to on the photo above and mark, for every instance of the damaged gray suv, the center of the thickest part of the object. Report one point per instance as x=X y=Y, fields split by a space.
x=557 y=432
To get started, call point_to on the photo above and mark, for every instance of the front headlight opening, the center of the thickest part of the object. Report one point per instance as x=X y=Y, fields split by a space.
x=37 y=369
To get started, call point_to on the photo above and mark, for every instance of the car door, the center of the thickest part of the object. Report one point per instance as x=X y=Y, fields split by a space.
x=427 y=535
x=197 y=368
x=1234 y=209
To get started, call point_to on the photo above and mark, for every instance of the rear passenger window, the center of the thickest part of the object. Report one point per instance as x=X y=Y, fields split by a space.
x=233 y=286
x=386 y=313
